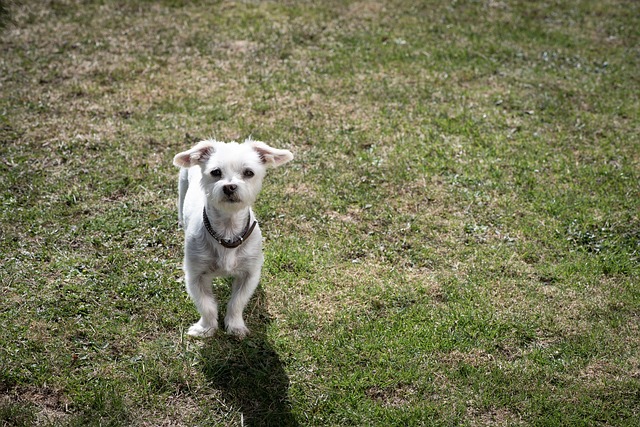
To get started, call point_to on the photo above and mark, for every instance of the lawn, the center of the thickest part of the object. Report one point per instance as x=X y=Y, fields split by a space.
x=456 y=243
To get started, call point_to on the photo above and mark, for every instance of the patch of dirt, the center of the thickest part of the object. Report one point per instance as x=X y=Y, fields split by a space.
x=393 y=396
x=494 y=417
x=51 y=404
x=365 y=10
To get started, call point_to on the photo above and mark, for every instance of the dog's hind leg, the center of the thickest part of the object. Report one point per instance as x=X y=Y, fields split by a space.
x=183 y=185
x=199 y=288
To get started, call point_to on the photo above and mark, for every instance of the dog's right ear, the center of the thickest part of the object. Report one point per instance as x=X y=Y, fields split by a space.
x=200 y=153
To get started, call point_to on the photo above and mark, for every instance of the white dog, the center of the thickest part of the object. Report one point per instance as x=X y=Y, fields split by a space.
x=218 y=184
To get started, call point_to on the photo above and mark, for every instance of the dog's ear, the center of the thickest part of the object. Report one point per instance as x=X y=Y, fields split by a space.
x=201 y=152
x=270 y=156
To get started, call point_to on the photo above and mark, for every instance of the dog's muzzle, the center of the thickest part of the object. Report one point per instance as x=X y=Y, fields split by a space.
x=229 y=189
x=230 y=193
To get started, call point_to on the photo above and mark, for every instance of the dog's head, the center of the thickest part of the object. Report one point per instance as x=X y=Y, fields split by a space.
x=232 y=173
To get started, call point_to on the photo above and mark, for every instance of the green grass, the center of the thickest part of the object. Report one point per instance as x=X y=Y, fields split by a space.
x=457 y=241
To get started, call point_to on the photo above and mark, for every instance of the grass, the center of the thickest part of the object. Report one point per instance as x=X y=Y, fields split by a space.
x=456 y=243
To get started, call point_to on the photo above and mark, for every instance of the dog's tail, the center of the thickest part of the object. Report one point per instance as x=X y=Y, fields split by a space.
x=183 y=185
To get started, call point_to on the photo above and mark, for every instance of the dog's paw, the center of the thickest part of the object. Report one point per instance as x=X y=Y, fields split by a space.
x=198 y=331
x=239 y=333
x=237 y=329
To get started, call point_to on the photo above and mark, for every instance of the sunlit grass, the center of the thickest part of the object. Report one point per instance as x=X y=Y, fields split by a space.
x=456 y=242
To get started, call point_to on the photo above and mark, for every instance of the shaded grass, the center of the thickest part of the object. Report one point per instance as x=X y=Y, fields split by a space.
x=456 y=243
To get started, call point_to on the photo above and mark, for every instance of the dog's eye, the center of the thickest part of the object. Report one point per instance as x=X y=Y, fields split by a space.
x=216 y=173
x=248 y=173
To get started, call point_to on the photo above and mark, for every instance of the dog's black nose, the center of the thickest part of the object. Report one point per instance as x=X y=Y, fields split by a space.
x=229 y=189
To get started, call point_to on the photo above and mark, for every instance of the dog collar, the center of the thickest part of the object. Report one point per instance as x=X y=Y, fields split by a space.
x=229 y=243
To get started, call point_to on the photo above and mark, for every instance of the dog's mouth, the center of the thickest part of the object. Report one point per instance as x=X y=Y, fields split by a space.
x=231 y=198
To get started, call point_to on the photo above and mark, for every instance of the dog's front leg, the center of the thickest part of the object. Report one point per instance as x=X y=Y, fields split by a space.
x=243 y=287
x=199 y=288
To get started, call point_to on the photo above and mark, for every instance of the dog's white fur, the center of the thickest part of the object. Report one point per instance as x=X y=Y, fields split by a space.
x=207 y=169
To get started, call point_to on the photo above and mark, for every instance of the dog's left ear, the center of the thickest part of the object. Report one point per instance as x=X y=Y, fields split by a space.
x=201 y=152
x=270 y=156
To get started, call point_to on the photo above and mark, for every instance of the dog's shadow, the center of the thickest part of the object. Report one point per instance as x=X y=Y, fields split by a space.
x=249 y=372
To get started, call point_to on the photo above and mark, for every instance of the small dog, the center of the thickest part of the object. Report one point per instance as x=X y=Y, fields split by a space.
x=218 y=184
